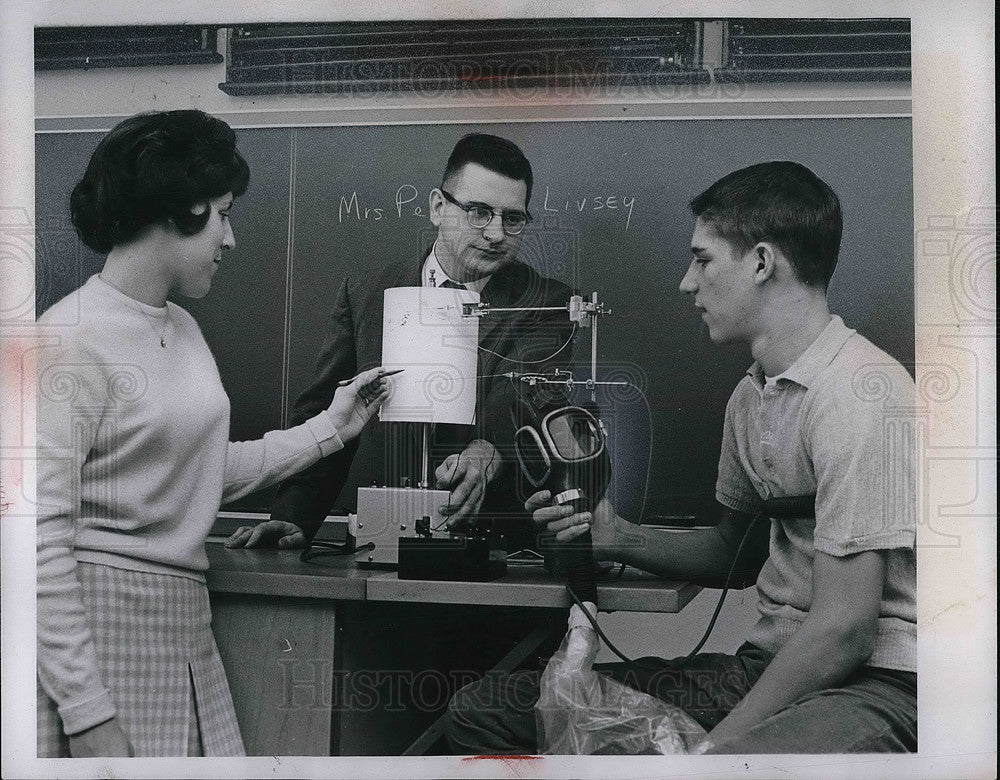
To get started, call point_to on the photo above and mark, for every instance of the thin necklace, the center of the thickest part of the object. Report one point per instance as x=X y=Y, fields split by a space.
x=162 y=336
x=163 y=341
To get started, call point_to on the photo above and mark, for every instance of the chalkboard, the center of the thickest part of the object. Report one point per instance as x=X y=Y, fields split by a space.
x=610 y=212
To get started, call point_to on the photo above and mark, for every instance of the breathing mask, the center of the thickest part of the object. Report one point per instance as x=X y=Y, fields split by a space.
x=565 y=453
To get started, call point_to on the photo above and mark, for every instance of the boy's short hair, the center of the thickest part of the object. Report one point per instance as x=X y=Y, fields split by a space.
x=782 y=202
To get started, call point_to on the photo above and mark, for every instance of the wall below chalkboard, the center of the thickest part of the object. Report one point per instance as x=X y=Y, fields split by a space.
x=610 y=215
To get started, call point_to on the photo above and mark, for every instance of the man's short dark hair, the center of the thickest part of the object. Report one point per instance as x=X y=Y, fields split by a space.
x=156 y=166
x=493 y=153
x=782 y=202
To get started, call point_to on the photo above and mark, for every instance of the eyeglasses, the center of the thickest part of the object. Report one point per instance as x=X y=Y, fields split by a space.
x=480 y=215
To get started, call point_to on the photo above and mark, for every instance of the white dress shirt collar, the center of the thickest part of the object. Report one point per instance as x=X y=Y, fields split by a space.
x=433 y=274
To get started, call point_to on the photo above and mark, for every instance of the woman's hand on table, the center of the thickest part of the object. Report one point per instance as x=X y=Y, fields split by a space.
x=270 y=533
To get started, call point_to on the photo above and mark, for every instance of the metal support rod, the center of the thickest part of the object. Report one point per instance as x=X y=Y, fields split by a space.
x=593 y=349
x=528 y=308
x=425 y=455
x=477 y=311
x=533 y=379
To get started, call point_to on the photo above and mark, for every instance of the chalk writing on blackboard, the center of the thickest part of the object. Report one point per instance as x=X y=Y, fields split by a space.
x=407 y=203
x=588 y=202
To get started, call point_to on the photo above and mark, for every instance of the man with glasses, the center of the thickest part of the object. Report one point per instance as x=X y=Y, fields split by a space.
x=480 y=212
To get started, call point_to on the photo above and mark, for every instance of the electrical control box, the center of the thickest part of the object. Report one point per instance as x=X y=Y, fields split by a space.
x=385 y=514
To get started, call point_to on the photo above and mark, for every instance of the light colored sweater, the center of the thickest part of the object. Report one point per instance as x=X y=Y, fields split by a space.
x=134 y=460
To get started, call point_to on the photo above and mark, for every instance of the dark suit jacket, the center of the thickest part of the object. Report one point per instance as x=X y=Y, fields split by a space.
x=386 y=453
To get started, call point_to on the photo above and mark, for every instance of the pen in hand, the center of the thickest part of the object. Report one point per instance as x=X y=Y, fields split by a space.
x=346 y=382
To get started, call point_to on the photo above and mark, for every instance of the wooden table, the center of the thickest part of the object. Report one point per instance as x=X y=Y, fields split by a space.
x=533 y=587
x=325 y=658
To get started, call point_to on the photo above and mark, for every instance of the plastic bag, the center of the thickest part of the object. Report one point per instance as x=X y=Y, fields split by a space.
x=581 y=712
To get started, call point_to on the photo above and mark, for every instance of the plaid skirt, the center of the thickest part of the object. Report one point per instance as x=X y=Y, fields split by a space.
x=158 y=658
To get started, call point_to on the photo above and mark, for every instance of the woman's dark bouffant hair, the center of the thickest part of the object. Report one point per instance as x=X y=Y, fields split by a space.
x=152 y=167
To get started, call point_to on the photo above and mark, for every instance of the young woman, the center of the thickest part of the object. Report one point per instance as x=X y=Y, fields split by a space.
x=134 y=456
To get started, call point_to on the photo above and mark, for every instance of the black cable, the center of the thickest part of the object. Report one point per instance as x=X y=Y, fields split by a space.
x=318 y=549
x=532 y=362
x=458 y=457
x=725 y=590
x=597 y=628
x=574 y=559
x=711 y=623
x=455 y=470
